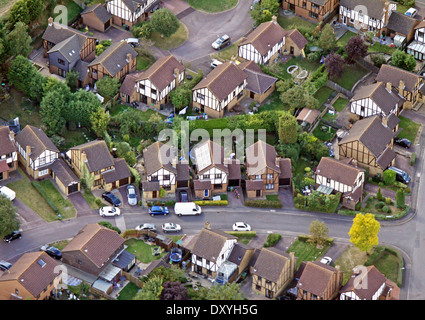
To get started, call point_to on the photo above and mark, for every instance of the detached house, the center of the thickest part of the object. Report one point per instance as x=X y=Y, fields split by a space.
x=315 y=10
x=97 y=17
x=220 y=90
x=417 y=47
x=401 y=28
x=153 y=86
x=273 y=270
x=36 y=152
x=341 y=176
x=8 y=154
x=408 y=84
x=370 y=143
x=264 y=43
x=34 y=276
x=130 y=12
x=366 y=15
x=108 y=172
x=118 y=60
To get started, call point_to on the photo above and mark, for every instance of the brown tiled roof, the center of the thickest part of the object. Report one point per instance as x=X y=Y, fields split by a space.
x=338 y=171
x=159 y=155
x=202 y=185
x=263 y=155
x=375 y=8
x=223 y=80
x=254 y=185
x=297 y=37
x=151 y=186
x=238 y=253
x=63 y=172
x=401 y=23
x=354 y=195
x=183 y=171
x=97 y=153
x=36 y=139
x=385 y=158
x=251 y=65
x=120 y=171
x=31 y=274
x=258 y=82
x=271 y=263
x=234 y=170
x=374 y=278
x=57 y=32
x=393 y=121
x=265 y=36
x=308 y=115
x=316 y=277
x=114 y=58
x=129 y=84
x=99 y=11
x=96 y=242
x=161 y=73
x=210 y=242
x=285 y=166
x=389 y=73
x=6 y=144
x=3 y=166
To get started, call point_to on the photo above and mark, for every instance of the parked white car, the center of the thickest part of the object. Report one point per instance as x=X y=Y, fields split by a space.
x=326 y=260
x=109 y=211
x=241 y=226
x=171 y=227
x=8 y=193
x=411 y=12
x=215 y=63
x=146 y=226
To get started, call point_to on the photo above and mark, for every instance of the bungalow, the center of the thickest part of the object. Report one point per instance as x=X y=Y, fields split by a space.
x=370 y=143
x=220 y=90
x=36 y=152
x=130 y=12
x=8 y=154
x=315 y=10
x=97 y=17
x=272 y=272
x=153 y=86
x=108 y=172
x=118 y=60
x=34 y=276
x=341 y=176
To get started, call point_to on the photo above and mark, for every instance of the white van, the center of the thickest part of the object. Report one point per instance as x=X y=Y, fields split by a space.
x=8 y=193
x=187 y=209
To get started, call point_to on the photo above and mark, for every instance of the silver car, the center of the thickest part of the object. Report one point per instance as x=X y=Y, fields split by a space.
x=131 y=195
x=4 y=265
x=146 y=226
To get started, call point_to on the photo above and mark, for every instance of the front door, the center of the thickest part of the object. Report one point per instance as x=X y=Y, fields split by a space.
x=258 y=193
x=291 y=50
x=154 y=194
x=344 y=20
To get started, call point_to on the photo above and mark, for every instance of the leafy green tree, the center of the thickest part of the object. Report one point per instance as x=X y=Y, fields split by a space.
x=19 y=13
x=108 y=87
x=181 y=97
x=400 y=198
x=389 y=177
x=164 y=22
x=124 y=151
x=19 y=40
x=379 y=195
x=51 y=109
x=35 y=7
x=99 y=121
x=129 y=121
x=403 y=60
x=318 y=232
x=327 y=39
x=364 y=231
x=151 y=290
x=229 y=291
x=334 y=65
x=8 y=218
x=143 y=30
x=355 y=48
x=264 y=11
x=288 y=128
x=81 y=106
x=87 y=178
x=71 y=79
x=297 y=97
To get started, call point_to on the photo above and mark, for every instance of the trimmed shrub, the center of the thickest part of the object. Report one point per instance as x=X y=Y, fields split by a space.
x=263 y=203
x=272 y=239
x=212 y=202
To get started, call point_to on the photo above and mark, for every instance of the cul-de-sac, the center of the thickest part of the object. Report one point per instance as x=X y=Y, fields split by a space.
x=212 y=150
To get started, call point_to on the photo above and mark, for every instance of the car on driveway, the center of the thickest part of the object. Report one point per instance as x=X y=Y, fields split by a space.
x=4 y=265
x=215 y=63
x=131 y=195
x=52 y=251
x=109 y=211
x=111 y=198
x=403 y=142
x=326 y=260
x=158 y=210
x=146 y=226
x=241 y=226
x=171 y=227
x=221 y=42
x=12 y=236
x=411 y=12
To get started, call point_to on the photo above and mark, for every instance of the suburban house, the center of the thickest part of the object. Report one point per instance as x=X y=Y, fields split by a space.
x=130 y=12
x=67 y=49
x=8 y=154
x=36 y=152
x=94 y=250
x=341 y=176
x=264 y=43
x=220 y=90
x=212 y=169
x=370 y=143
x=262 y=169
x=259 y=85
x=97 y=17
x=273 y=271
x=241 y=256
x=315 y=10
x=118 y=60
x=34 y=276
x=378 y=99
x=408 y=84
x=369 y=284
x=401 y=28
x=417 y=47
x=108 y=172
x=318 y=281
x=365 y=15
x=211 y=249
x=153 y=86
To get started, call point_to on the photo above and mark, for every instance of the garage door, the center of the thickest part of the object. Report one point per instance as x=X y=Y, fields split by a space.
x=73 y=188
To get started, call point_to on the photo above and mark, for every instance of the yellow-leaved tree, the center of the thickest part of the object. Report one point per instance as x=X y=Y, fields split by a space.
x=364 y=231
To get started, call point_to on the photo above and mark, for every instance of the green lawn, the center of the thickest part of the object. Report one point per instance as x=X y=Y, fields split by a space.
x=227 y=53
x=172 y=42
x=212 y=5
x=305 y=251
x=387 y=263
x=144 y=62
x=75 y=138
x=273 y=103
x=352 y=73
x=128 y=292
x=340 y=104
x=377 y=47
x=65 y=206
x=342 y=42
x=293 y=22
x=348 y=260
x=141 y=250
x=122 y=107
x=73 y=9
x=90 y=198
x=410 y=129
x=324 y=135
x=323 y=94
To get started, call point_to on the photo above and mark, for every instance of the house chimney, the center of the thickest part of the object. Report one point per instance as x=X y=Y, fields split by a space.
x=128 y=57
x=274 y=19
x=176 y=75
x=12 y=135
x=50 y=21
x=28 y=152
x=386 y=11
x=389 y=86
x=207 y=225
x=401 y=87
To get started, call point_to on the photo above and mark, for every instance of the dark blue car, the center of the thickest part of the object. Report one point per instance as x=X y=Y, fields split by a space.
x=158 y=210
x=111 y=198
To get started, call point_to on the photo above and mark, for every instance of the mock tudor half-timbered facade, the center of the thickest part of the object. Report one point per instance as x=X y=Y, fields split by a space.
x=8 y=154
x=366 y=15
x=220 y=90
x=130 y=12
x=417 y=47
x=264 y=43
x=36 y=152
x=315 y=10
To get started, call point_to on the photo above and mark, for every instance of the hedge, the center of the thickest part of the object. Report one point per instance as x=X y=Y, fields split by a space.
x=46 y=197
x=167 y=203
x=212 y=202
x=272 y=239
x=263 y=203
x=378 y=216
x=109 y=225
x=242 y=233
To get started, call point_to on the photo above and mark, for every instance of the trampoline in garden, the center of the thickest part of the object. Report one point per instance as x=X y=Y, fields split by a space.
x=176 y=255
